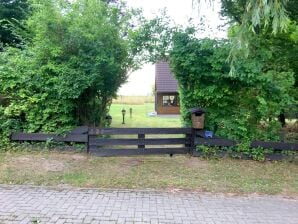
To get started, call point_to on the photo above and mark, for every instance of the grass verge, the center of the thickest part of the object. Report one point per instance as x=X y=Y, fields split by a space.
x=156 y=172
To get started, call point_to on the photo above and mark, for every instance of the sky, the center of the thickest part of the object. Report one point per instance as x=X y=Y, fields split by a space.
x=140 y=82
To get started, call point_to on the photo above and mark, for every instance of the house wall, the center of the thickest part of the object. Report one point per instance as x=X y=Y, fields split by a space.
x=160 y=109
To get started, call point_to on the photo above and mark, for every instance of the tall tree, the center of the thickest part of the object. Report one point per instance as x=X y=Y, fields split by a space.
x=253 y=17
x=283 y=46
x=258 y=13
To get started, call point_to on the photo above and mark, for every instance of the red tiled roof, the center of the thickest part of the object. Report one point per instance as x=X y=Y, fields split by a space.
x=164 y=78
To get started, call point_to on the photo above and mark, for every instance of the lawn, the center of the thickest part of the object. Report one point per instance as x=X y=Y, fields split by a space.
x=140 y=116
x=155 y=172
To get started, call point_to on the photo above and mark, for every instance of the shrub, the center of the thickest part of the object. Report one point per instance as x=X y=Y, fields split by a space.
x=242 y=105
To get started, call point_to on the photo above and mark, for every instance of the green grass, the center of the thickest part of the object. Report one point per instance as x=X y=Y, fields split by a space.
x=140 y=117
x=156 y=172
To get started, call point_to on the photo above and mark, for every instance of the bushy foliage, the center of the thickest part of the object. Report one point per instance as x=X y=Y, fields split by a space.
x=12 y=15
x=240 y=106
x=80 y=54
x=282 y=44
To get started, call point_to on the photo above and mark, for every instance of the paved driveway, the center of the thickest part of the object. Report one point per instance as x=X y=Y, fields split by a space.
x=25 y=204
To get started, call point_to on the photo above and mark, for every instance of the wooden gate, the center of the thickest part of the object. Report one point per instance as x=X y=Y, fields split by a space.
x=140 y=141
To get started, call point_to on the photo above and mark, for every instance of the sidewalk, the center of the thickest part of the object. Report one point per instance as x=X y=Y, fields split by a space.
x=26 y=204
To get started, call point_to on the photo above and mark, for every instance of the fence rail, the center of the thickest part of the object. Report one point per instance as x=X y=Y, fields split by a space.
x=144 y=151
x=128 y=131
x=40 y=137
x=275 y=145
x=221 y=142
x=140 y=141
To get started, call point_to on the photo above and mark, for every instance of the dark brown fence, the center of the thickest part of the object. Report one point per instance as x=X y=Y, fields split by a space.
x=146 y=141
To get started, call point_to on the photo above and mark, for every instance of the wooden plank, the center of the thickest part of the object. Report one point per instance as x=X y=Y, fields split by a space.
x=44 y=137
x=141 y=138
x=200 y=133
x=275 y=145
x=165 y=141
x=80 y=130
x=132 y=152
x=254 y=144
x=147 y=141
x=215 y=142
x=129 y=131
x=275 y=156
x=190 y=139
x=87 y=144
x=114 y=152
x=110 y=141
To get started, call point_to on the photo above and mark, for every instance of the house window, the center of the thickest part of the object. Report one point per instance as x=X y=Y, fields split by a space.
x=170 y=100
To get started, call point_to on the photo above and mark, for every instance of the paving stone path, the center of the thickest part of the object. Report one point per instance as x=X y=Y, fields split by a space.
x=26 y=204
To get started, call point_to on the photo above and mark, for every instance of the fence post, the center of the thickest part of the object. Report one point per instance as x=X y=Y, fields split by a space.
x=193 y=139
x=87 y=144
x=190 y=138
x=140 y=137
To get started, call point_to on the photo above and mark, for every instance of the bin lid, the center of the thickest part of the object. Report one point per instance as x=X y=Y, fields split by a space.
x=197 y=110
x=108 y=117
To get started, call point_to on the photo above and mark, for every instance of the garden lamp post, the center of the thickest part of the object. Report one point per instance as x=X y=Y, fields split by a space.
x=123 y=115
x=130 y=112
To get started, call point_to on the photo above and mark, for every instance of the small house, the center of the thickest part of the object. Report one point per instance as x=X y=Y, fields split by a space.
x=166 y=90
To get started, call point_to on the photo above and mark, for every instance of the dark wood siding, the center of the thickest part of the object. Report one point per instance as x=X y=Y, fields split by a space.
x=160 y=109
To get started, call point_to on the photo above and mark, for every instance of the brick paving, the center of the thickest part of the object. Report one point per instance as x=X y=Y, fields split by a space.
x=27 y=204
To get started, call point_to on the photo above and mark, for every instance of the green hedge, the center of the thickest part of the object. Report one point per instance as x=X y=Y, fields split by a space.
x=242 y=105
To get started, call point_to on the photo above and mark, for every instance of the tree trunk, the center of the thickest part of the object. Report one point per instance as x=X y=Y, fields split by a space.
x=282 y=119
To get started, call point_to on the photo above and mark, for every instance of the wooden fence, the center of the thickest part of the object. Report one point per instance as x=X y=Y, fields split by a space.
x=100 y=145
x=144 y=141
